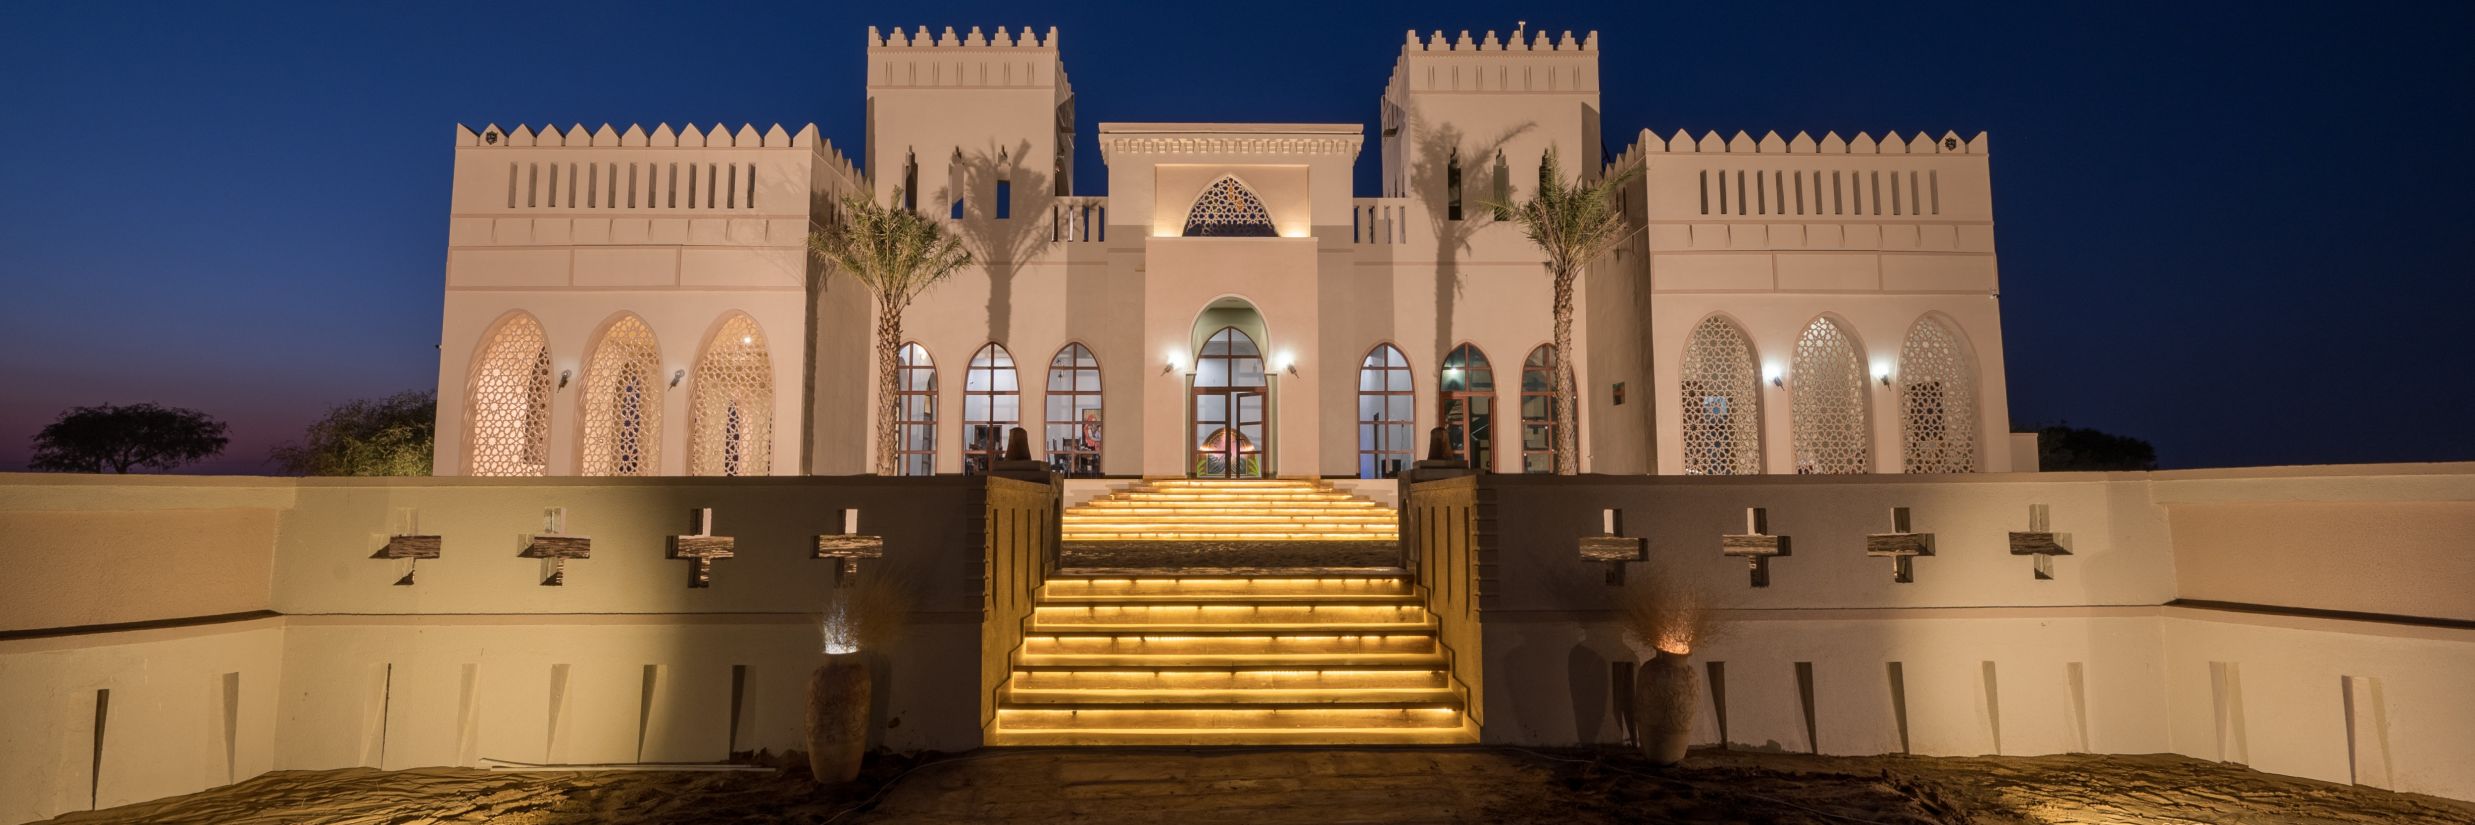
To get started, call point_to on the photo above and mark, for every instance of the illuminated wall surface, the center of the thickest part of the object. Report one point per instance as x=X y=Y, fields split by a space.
x=277 y=641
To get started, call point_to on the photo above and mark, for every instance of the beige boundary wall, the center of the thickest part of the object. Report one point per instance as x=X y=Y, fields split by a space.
x=241 y=625
x=2304 y=621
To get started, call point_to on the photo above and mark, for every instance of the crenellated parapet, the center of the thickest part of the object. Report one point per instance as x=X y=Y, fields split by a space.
x=972 y=40
x=1770 y=143
x=968 y=60
x=1523 y=62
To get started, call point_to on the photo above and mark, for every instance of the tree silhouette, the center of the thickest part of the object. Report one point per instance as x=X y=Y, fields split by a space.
x=391 y=436
x=118 y=438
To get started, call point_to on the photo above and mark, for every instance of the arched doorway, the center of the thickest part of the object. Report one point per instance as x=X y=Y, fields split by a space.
x=1230 y=396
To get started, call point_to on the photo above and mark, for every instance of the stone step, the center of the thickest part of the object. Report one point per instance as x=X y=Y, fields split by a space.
x=1233 y=737
x=1295 y=661
x=1378 y=598
x=1065 y=589
x=1426 y=676
x=1299 y=536
x=1210 y=716
x=1287 y=697
x=1228 y=644
x=1226 y=614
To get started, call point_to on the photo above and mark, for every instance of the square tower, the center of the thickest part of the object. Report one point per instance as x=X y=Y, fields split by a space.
x=955 y=118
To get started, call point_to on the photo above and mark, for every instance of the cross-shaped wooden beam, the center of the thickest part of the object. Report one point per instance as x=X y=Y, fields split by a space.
x=701 y=548
x=554 y=547
x=408 y=546
x=847 y=548
x=1900 y=546
x=2040 y=541
x=1757 y=545
x=1612 y=547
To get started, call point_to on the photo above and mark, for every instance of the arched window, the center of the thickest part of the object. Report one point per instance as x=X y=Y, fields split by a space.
x=1074 y=411
x=1538 y=411
x=508 y=402
x=915 y=412
x=623 y=402
x=1452 y=186
x=1387 y=414
x=992 y=404
x=1501 y=200
x=1468 y=405
x=1721 y=398
x=1227 y=209
x=1827 y=402
x=1229 y=395
x=730 y=408
x=1937 y=400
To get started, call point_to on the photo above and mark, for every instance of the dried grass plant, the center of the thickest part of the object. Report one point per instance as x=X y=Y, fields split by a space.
x=869 y=614
x=1671 y=614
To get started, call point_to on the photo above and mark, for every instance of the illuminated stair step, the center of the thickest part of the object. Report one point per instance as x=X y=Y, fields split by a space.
x=1237 y=517
x=1404 y=599
x=1215 y=716
x=1293 y=661
x=1047 y=615
x=1195 y=537
x=1340 y=584
x=1235 y=736
x=1231 y=645
x=1187 y=677
x=1322 y=696
x=1406 y=627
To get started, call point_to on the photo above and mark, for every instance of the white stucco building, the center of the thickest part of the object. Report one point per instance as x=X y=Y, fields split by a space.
x=640 y=301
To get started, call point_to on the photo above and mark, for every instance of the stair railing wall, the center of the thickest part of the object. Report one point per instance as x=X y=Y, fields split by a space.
x=1019 y=530
x=1450 y=561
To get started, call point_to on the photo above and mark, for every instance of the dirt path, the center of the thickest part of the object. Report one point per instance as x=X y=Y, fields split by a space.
x=1327 y=787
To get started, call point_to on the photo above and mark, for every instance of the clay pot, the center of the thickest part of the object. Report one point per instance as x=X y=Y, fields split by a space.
x=838 y=695
x=1664 y=694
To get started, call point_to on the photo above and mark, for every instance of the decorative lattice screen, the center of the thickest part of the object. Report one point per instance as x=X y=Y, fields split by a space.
x=1228 y=209
x=1722 y=401
x=730 y=414
x=1827 y=402
x=510 y=402
x=1937 y=401
x=623 y=402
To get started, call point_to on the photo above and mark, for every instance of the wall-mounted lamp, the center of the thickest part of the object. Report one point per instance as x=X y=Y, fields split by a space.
x=1885 y=378
x=1293 y=370
x=563 y=376
x=676 y=376
x=1168 y=367
x=1771 y=374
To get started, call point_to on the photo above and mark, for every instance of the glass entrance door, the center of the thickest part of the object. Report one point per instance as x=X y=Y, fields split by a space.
x=1229 y=395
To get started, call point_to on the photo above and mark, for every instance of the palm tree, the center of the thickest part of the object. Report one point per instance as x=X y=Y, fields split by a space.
x=1573 y=223
x=897 y=254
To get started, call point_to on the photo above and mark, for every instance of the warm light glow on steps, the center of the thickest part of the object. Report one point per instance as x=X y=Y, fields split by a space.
x=1215 y=510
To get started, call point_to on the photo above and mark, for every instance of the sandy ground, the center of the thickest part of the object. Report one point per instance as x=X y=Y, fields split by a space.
x=1326 y=787
x=1225 y=556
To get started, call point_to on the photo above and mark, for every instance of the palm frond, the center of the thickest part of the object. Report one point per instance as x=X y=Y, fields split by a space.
x=897 y=253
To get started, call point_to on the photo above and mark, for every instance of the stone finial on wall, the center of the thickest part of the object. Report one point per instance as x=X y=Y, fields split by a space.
x=848 y=547
x=2040 y=542
x=554 y=547
x=700 y=548
x=1757 y=545
x=1900 y=546
x=408 y=545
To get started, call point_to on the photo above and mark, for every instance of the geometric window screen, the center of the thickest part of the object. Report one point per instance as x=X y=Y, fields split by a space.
x=915 y=412
x=510 y=402
x=623 y=402
x=1937 y=400
x=730 y=409
x=1227 y=209
x=1722 y=401
x=1826 y=402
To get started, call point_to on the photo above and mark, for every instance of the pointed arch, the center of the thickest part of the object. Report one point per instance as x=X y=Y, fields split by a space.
x=623 y=401
x=1538 y=410
x=1937 y=399
x=1074 y=408
x=1721 y=396
x=1227 y=209
x=730 y=406
x=915 y=411
x=992 y=405
x=1387 y=413
x=507 y=401
x=1467 y=405
x=1827 y=401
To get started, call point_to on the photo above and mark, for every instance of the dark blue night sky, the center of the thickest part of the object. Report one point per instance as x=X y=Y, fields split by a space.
x=2238 y=231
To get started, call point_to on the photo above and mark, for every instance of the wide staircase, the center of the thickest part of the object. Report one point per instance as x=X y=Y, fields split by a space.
x=1297 y=656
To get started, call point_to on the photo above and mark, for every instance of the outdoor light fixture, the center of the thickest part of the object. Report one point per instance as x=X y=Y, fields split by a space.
x=563 y=376
x=1771 y=374
x=1884 y=377
x=676 y=376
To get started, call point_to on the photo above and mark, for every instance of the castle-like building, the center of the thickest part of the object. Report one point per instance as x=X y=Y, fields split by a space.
x=642 y=301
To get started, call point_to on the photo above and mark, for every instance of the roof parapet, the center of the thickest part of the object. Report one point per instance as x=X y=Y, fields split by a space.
x=660 y=137
x=1770 y=143
x=972 y=40
x=1543 y=42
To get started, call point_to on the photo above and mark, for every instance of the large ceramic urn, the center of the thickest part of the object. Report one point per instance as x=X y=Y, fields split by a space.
x=838 y=696
x=1664 y=694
